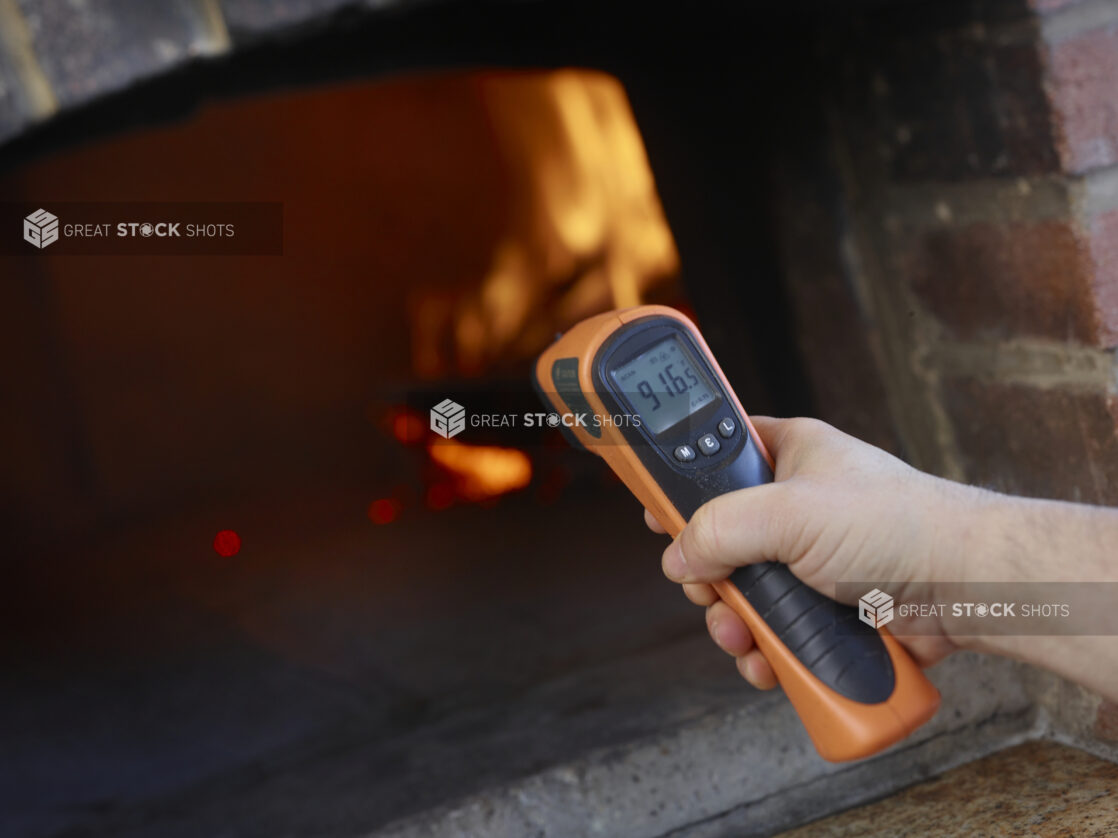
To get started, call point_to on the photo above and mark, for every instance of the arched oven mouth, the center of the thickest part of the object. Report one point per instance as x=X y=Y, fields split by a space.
x=263 y=582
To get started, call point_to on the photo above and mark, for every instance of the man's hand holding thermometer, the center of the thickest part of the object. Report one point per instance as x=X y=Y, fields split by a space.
x=672 y=428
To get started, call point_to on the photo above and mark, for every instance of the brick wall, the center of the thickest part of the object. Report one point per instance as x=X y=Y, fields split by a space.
x=973 y=217
x=952 y=225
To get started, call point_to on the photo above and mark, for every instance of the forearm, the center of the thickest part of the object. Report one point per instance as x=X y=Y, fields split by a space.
x=1021 y=543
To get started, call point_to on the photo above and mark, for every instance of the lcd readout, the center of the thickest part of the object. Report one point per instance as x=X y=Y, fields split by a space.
x=665 y=385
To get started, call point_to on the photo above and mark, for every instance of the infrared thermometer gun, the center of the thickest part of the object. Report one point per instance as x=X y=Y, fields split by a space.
x=658 y=409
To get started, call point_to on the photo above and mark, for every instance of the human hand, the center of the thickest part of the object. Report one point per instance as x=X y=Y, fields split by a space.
x=838 y=510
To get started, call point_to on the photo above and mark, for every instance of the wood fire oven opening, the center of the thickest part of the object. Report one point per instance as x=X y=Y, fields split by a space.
x=243 y=557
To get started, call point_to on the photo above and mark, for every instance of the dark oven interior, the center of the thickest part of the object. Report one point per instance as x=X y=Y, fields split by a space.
x=244 y=586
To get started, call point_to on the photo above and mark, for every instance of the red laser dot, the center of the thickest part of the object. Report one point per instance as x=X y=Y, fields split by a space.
x=383 y=511
x=227 y=543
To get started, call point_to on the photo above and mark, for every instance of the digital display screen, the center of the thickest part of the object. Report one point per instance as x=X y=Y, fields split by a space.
x=665 y=384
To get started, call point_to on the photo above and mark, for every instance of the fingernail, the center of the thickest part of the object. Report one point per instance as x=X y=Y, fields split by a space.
x=675 y=565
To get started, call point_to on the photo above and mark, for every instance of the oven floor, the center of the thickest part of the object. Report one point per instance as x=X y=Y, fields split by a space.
x=335 y=675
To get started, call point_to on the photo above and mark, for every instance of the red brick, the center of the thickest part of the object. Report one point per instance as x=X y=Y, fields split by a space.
x=1039 y=442
x=1082 y=80
x=1103 y=243
x=993 y=280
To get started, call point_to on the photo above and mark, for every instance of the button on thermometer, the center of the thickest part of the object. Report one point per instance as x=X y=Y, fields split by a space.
x=667 y=422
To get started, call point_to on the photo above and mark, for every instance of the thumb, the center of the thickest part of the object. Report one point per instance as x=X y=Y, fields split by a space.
x=733 y=530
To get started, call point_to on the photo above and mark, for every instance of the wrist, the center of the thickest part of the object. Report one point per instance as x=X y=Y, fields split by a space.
x=971 y=536
x=976 y=545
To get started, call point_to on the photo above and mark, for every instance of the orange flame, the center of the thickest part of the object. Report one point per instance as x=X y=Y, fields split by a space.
x=585 y=232
x=481 y=472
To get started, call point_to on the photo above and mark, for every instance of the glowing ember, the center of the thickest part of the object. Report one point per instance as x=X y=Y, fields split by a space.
x=481 y=472
x=384 y=511
x=408 y=426
x=440 y=496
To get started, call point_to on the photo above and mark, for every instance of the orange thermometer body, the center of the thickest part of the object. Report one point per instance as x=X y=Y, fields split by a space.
x=655 y=405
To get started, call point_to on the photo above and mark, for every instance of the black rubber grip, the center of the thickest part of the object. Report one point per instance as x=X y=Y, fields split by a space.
x=828 y=638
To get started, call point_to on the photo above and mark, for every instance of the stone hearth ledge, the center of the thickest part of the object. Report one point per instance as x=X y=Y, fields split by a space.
x=748 y=771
